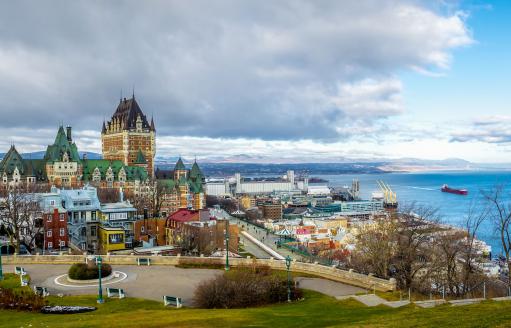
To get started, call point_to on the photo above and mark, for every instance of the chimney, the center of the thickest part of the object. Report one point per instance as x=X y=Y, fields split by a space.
x=68 y=132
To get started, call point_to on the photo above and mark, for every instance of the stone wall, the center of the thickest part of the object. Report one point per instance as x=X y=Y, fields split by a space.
x=332 y=273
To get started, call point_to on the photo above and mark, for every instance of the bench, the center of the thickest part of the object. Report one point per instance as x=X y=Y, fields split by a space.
x=41 y=291
x=174 y=301
x=143 y=261
x=115 y=292
x=24 y=282
x=20 y=271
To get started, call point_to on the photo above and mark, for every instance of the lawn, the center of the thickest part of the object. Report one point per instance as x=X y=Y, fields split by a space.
x=316 y=310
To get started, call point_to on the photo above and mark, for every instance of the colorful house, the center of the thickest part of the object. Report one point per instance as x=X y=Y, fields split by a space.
x=111 y=239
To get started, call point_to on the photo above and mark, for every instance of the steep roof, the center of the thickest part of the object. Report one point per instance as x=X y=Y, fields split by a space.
x=26 y=167
x=60 y=146
x=127 y=113
x=180 y=166
x=140 y=158
x=196 y=172
x=132 y=172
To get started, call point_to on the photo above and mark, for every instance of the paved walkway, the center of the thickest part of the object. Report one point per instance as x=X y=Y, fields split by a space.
x=152 y=282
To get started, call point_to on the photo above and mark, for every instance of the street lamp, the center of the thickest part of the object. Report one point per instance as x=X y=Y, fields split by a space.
x=227 y=245
x=100 y=291
x=288 y=265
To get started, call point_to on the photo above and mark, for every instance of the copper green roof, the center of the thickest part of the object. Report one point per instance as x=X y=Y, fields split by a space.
x=179 y=165
x=26 y=167
x=140 y=158
x=61 y=145
x=195 y=172
x=132 y=172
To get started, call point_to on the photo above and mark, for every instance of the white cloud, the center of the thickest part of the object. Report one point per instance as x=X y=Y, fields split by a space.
x=282 y=70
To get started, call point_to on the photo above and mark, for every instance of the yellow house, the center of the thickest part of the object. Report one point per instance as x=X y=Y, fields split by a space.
x=111 y=239
x=247 y=201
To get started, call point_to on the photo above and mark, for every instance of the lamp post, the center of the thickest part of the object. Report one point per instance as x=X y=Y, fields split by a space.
x=100 y=290
x=226 y=245
x=288 y=265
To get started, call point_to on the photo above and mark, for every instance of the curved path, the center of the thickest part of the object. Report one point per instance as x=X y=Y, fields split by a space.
x=152 y=282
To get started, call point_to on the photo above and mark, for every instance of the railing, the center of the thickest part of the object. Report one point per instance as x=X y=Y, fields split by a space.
x=328 y=272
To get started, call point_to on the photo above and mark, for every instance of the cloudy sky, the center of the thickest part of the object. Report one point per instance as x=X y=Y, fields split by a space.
x=313 y=80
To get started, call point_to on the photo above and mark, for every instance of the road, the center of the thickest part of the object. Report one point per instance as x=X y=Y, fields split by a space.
x=268 y=238
x=153 y=282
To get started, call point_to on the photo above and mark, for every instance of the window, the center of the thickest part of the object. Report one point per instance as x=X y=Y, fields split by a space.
x=142 y=229
x=62 y=243
x=93 y=231
x=48 y=218
x=62 y=232
x=49 y=233
x=52 y=202
x=50 y=245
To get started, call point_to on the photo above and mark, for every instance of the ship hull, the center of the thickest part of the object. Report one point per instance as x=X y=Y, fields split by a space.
x=455 y=191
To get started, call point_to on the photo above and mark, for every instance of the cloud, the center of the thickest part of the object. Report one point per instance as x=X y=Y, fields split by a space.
x=488 y=129
x=274 y=70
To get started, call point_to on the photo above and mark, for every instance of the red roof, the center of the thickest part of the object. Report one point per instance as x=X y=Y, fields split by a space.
x=302 y=231
x=184 y=215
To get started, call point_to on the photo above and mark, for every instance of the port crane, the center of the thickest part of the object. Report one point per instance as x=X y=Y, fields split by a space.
x=389 y=196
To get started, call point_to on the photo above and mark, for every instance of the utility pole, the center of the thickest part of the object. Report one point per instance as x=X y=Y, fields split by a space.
x=226 y=245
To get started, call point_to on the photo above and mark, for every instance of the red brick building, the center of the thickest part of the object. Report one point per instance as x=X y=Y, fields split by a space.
x=55 y=230
x=151 y=229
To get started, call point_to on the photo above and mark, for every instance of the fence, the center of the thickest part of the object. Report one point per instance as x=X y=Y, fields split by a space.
x=328 y=272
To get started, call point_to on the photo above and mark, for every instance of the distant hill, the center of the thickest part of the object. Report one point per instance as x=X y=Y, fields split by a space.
x=40 y=155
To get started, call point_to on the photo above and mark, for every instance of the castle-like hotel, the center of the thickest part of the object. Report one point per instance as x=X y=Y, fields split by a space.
x=128 y=147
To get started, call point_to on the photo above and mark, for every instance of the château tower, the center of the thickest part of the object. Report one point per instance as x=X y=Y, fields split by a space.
x=129 y=136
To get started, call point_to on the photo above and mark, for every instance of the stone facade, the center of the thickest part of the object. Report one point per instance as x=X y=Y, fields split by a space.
x=129 y=134
x=181 y=188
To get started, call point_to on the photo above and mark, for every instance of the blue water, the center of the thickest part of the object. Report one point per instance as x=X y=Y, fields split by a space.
x=424 y=189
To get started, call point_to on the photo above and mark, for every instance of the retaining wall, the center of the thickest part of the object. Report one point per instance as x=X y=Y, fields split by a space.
x=332 y=273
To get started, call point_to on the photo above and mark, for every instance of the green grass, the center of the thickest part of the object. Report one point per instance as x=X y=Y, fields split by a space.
x=13 y=281
x=316 y=310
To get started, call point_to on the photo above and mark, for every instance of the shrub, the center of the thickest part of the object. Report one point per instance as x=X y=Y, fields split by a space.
x=21 y=299
x=82 y=271
x=244 y=287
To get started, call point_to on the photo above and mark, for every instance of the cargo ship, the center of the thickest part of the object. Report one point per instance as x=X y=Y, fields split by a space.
x=445 y=188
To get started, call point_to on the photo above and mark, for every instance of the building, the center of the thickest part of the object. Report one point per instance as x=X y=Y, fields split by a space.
x=151 y=231
x=175 y=221
x=120 y=215
x=181 y=188
x=271 y=211
x=111 y=239
x=239 y=185
x=62 y=167
x=55 y=230
x=14 y=170
x=82 y=207
x=129 y=137
x=207 y=237
x=54 y=219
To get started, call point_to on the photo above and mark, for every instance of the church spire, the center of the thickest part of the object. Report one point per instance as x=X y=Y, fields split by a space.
x=152 y=124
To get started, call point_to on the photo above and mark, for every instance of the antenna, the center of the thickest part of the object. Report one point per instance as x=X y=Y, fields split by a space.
x=133 y=91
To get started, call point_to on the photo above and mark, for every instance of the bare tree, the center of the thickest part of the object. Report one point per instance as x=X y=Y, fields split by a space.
x=415 y=226
x=21 y=215
x=108 y=195
x=476 y=215
x=375 y=247
x=500 y=213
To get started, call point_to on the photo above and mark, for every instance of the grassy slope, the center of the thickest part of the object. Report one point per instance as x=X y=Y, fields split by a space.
x=316 y=311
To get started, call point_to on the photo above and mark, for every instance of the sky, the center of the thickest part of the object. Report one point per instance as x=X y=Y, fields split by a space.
x=287 y=80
